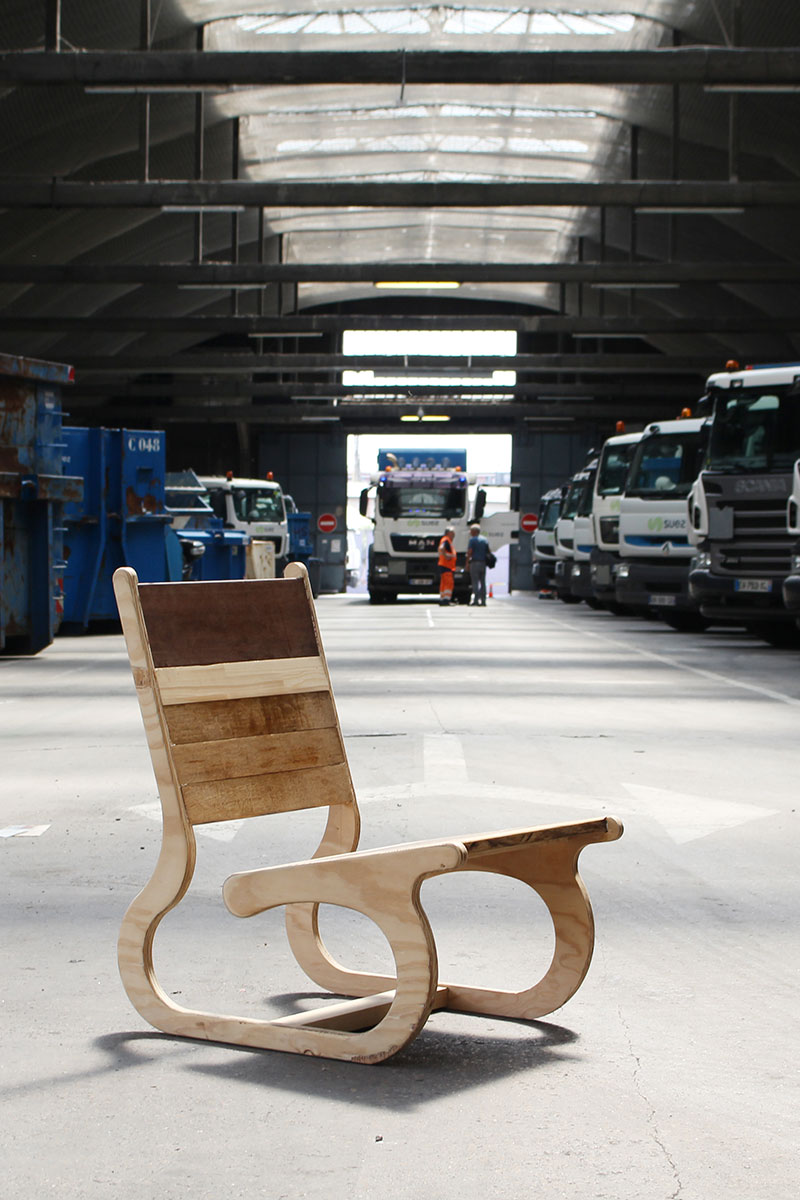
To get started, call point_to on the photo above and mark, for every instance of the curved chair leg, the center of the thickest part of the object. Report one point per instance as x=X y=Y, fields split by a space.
x=551 y=870
x=385 y=887
x=168 y=885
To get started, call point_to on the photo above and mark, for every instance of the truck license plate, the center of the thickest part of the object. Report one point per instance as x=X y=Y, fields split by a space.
x=665 y=601
x=420 y=581
x=753 y=585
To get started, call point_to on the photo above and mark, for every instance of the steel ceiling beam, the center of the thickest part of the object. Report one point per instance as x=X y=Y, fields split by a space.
x=293 y=326
x=238 y=363
x=150 y=69
x=231 y=274
x=193 y=193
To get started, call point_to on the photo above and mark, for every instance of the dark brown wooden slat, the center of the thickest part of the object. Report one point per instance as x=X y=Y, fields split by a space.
x=227 y=621
x=218 y=720
x=237 y=799
x=204 y=762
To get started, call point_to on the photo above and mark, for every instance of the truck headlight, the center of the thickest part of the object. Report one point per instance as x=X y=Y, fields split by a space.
x=382 y=569
x=623 y=570
x=796 y=562
x=701 y=562
x=575 y=571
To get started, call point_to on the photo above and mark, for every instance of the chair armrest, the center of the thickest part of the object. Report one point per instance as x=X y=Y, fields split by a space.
x=363 y=878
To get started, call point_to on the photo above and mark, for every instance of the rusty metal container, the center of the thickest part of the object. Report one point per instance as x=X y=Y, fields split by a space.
x=33 y=490
x=121 y=520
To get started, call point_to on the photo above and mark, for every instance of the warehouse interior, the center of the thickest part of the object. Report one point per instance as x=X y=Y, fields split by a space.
x=204 y=199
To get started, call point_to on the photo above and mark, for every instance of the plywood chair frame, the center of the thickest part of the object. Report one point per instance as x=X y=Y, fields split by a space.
x=233 y=776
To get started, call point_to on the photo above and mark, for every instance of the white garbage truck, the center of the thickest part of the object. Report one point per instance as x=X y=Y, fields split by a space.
x=654 y=547
x=738 y=504
x=255 y=506
x=411 y=499
x=609 y=484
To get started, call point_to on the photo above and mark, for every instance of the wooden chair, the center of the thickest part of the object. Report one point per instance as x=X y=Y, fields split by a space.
x=240 y=720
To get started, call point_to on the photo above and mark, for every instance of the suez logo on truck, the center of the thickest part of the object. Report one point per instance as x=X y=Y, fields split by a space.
x=417 y=494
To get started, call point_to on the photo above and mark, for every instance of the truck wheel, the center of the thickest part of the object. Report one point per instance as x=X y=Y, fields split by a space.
x=376 y=597
x=689 y=622
x=782 y=636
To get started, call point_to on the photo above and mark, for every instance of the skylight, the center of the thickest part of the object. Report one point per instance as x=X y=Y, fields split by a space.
x=409 y=22
x=447 y=342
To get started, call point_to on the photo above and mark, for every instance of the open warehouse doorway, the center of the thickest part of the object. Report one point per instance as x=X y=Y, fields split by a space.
x=486 y=459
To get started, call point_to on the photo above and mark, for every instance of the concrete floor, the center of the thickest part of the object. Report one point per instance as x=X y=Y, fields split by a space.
x=671 y=1074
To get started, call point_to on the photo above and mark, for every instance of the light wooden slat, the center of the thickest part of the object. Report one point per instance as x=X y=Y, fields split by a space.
x=216 y=720
x=232 y=681
x=236 y=799
x=237 y=758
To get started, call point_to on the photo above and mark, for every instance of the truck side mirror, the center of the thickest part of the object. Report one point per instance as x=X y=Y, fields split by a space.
x=480 y=503
x=362 y=504
x=513 y=499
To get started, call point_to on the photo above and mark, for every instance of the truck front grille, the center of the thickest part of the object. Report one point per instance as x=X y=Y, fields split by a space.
x=761 y=545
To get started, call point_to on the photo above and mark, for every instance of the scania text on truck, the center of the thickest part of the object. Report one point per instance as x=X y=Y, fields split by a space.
x=609 y=484
x=255 y=506
x=417 y=494
x=543 y=550
x=737 y=506
x=654 y=546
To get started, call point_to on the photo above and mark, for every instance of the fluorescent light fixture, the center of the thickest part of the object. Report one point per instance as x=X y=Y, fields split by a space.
x=438 y=284
x=641 y=287
x=421 y=415
x=203 y=208
x=319 y=420
x=678 y=210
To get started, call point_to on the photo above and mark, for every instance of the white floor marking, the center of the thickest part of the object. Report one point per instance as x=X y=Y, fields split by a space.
x=23 y=831
x=443 y=759
x=682 y=816
x=429 y=615
x=686 y=817
x=682 y=666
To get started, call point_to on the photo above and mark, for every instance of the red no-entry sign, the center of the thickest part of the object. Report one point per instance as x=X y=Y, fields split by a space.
x=326 y=523
x=529 y=523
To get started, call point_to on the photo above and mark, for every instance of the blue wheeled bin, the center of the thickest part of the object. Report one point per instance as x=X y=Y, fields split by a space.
x=209 y=550
x=122 y=520
x=33 y=488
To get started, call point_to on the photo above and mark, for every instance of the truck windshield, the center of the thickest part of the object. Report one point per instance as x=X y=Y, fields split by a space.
x=666 y=464
x=411 y=501
x=614 y=469
x=580 y=491
x=549 y=514
x=258 y=504
x=755 y=429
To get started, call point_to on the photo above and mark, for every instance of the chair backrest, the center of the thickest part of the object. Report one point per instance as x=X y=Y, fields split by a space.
x=242 y=696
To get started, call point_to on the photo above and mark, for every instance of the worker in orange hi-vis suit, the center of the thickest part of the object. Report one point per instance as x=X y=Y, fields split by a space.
x=447 y=565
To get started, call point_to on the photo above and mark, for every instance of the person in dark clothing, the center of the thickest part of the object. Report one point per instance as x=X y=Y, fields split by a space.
x=477 y=551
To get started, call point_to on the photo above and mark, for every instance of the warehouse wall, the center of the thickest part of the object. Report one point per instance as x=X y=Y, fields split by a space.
x=312 y=467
